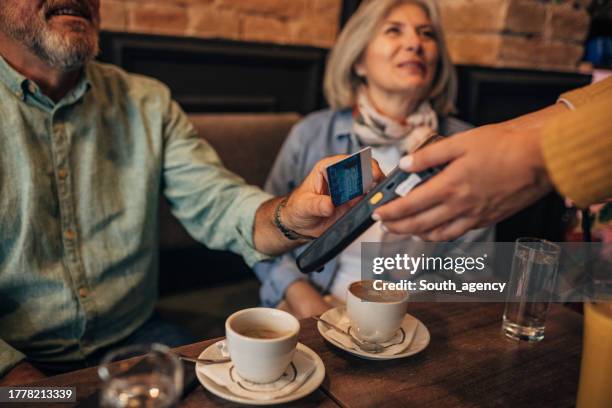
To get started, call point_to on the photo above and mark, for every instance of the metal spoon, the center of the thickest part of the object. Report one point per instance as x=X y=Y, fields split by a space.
x=365 y=346
x=206 y=360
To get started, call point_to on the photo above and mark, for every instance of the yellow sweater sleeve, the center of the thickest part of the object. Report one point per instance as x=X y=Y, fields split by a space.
x=582 y=96
x=577 y=147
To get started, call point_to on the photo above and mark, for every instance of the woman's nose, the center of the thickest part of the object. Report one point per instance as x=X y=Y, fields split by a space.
x=412 y=42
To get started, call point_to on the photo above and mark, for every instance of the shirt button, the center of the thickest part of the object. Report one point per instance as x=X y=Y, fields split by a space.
x=62 y=174
x=69 y=234
x=83 y=292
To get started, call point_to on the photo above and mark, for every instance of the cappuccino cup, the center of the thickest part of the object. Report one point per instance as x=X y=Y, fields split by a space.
x=261 y=342
x=375 y=315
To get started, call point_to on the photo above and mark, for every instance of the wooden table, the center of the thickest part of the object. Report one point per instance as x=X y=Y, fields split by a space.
x=469 y=363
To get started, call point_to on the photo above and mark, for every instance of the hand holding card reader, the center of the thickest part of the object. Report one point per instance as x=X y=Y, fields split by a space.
x=359 y=218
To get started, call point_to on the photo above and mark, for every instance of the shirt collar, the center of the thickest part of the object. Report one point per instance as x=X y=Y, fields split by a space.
x=81 y=87
x=343 y=124
x=22 y=86
x=12 y=79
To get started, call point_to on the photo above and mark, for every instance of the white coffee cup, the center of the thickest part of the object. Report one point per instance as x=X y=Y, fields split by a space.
x=261 y=342
x=375 y=316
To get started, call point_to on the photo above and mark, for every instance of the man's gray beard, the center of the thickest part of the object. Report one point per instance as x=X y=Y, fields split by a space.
x=64 y=52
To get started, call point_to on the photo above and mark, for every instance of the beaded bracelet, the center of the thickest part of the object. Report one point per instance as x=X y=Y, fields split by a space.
x=287 y=232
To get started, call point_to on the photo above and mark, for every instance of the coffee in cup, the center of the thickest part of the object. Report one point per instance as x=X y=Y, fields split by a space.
x=375 y=315
x=263 y=333
x=261 y=342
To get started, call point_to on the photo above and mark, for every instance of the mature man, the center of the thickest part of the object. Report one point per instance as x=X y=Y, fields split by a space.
x=85 y=150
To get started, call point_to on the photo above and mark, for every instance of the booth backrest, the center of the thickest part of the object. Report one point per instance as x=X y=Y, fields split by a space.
x=247 y=145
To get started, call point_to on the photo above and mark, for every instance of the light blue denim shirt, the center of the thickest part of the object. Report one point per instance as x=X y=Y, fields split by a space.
x=80 y=182
x=322 y=134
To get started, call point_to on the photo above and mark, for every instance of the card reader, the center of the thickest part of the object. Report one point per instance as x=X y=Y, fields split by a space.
x=359 y=218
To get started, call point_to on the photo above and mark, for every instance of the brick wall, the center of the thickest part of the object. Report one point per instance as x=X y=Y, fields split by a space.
x=545 y=34
x=299 y=22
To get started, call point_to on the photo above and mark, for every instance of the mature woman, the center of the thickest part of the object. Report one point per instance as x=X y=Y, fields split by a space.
x=389 y=82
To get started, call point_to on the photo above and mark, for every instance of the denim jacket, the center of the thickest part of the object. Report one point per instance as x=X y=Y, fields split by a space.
x=320 y=134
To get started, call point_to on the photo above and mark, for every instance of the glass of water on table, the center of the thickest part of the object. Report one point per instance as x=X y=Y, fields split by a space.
x=141 y=376
x=530 y=289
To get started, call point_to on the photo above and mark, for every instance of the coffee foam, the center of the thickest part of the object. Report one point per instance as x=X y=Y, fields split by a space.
x=364 y=290
x=263 y=333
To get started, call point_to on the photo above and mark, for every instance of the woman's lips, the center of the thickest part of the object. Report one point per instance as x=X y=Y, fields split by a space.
x=413 y=67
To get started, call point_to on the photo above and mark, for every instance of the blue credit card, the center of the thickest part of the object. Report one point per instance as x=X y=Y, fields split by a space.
x=350 y=177
x=345 y=180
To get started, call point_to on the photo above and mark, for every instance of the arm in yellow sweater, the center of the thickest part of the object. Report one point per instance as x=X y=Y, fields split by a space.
x=595 y=92
x=577 y=146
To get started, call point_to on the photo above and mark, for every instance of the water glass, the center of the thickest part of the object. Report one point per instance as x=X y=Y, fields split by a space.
x=531 y=286
x=141 y=376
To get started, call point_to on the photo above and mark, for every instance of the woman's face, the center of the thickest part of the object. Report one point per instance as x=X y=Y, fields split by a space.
x=403 y=55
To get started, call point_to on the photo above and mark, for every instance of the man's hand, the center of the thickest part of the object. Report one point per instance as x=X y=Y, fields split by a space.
x=492 y=172
x=309 y=210
x=22 y=373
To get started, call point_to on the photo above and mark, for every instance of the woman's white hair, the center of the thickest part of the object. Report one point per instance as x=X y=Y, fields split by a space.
x=341 y=81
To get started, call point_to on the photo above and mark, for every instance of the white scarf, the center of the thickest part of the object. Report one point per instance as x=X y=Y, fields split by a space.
x=374 y=129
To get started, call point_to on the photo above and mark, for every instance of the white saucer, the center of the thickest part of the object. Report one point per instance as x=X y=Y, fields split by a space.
x=311 y=384
x=419 y=342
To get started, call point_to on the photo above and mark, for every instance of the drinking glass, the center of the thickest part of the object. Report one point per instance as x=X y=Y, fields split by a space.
x=148 y=376
x=531 y=286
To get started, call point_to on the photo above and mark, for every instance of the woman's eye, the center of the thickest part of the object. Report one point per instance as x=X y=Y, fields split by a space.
x=428 y=34
x=392 y=30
